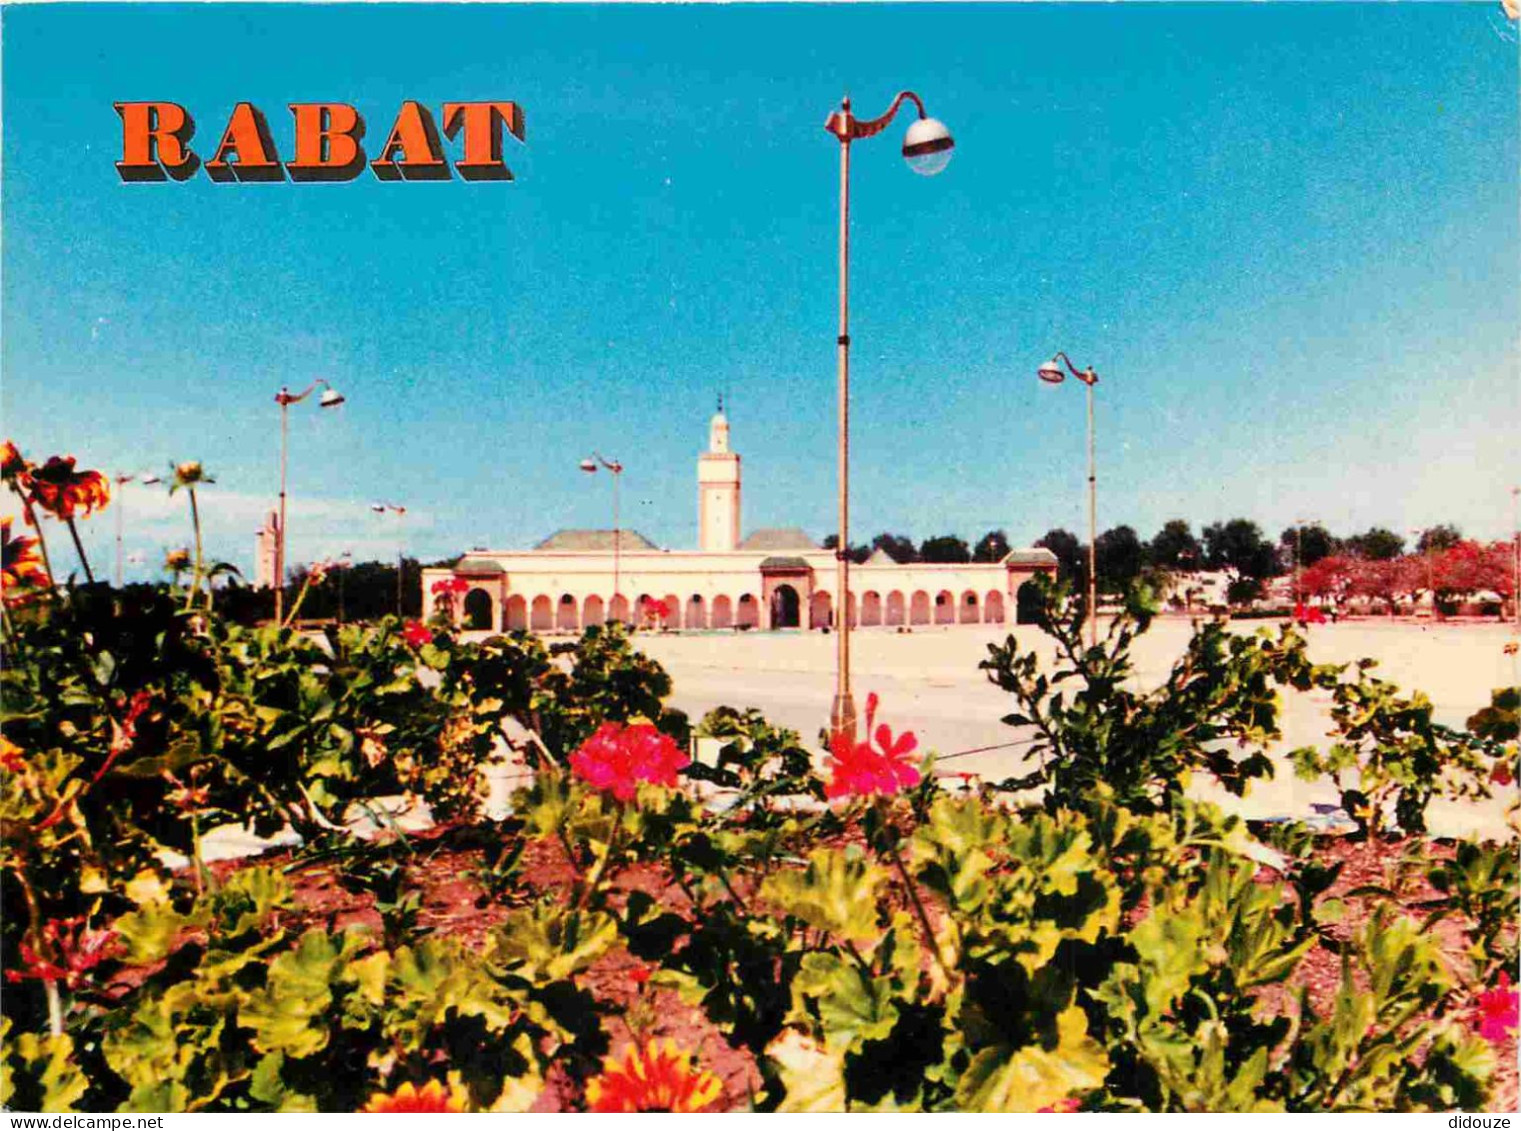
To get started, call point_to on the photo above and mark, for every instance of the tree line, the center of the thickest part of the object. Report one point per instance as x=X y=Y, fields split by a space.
x=1374 y=563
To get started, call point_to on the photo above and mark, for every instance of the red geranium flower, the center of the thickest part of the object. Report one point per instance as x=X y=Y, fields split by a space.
x=658 y=1077
x=1499 y=1011
x=432 y=1099
x=79 y=951
x=58 y=489
x=618 y=758
x=859 y=768
x=417 y=634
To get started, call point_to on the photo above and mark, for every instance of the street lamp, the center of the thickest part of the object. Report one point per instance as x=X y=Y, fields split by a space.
x=927 y=148
x=400 y=513
x=590 y=466
x=331 y=398
x=1052 y=374
x=122 y=479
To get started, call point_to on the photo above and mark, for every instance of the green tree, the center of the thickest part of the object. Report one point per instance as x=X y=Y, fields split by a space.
x=945 y=548
x=1175 y=547
x=899 y=547
x=1071 y=555
x=992 y=547
x=857 y=553
x=1121 y=558
x=1311 y=542
x=1238 y=546
x=1376 y=545
x=1437 y=538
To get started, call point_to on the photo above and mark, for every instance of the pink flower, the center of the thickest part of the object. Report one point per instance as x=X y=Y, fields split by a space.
x=618 y=758
x=79 y=951
x=417 y=634
x=1498 y=1011
x=858 y=769
x=1061 y=1107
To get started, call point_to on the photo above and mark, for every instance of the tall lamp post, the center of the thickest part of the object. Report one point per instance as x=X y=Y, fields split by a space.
x=122 y=479
x=1053 y=374
x=400 y=512
x=927 y=148
x=331 y=398
x=590 y=466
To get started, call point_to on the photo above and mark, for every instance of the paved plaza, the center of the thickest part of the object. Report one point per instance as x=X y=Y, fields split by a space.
x=928 y=681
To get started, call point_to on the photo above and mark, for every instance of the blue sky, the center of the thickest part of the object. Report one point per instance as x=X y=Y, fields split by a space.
x=1285 y=235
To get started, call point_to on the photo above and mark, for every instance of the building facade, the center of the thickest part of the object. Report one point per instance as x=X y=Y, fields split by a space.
x=771 y=579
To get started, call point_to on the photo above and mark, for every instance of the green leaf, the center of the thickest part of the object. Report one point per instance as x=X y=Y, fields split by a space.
x=1004 y=1079
x=853 y=1006
x=836 y=893
x=814 y=1077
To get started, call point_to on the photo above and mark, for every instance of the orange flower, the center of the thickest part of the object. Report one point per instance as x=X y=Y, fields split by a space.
x=177 y=561
x=13 y=468
x=22 y=566
x=656 y=1078
x=12 y=761
x=432 y=1098
x=60 y=490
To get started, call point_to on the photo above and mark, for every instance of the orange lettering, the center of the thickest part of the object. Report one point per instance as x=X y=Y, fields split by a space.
x=327 y=142
x=156 y=141
x=247 y=137
x=416 y=135
x=483 y=123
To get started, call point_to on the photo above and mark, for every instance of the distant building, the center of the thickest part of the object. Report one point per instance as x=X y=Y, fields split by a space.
x=772 y=578
x=266 y=551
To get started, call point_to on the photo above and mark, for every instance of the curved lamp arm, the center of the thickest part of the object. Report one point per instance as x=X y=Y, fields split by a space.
x=285 y=396
x=611 y=464
x=1086 y=376
x=847 y=127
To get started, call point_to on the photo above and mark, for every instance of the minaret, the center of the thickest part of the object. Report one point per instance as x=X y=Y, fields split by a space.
x=718 y=489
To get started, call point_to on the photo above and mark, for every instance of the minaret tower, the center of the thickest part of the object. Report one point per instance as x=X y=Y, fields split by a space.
x=718 y=489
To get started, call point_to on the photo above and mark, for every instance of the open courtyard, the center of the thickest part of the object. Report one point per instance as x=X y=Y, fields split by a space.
x=929 y=682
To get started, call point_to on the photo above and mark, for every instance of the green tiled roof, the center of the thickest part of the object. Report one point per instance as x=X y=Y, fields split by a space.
x=595 y=541
x=778 y=538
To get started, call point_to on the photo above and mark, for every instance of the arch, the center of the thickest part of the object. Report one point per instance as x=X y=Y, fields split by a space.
x=820 y=608
x=517 y=613
x=969 y=610
x=479 y=613
x=992 y=607
x=919 y=608
x=593 y=611
x=1026 y=604
x=566 y=614
x=895 y=610
x=696 y=615
x=945 y=607
x=871 y=607
x=541 y=615
x=786 y=611
x=673 y=610
x=748 y=615
x=722 y=615
x=618 y=610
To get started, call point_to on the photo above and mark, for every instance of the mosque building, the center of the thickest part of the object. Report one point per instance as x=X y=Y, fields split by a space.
x=772 y=578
